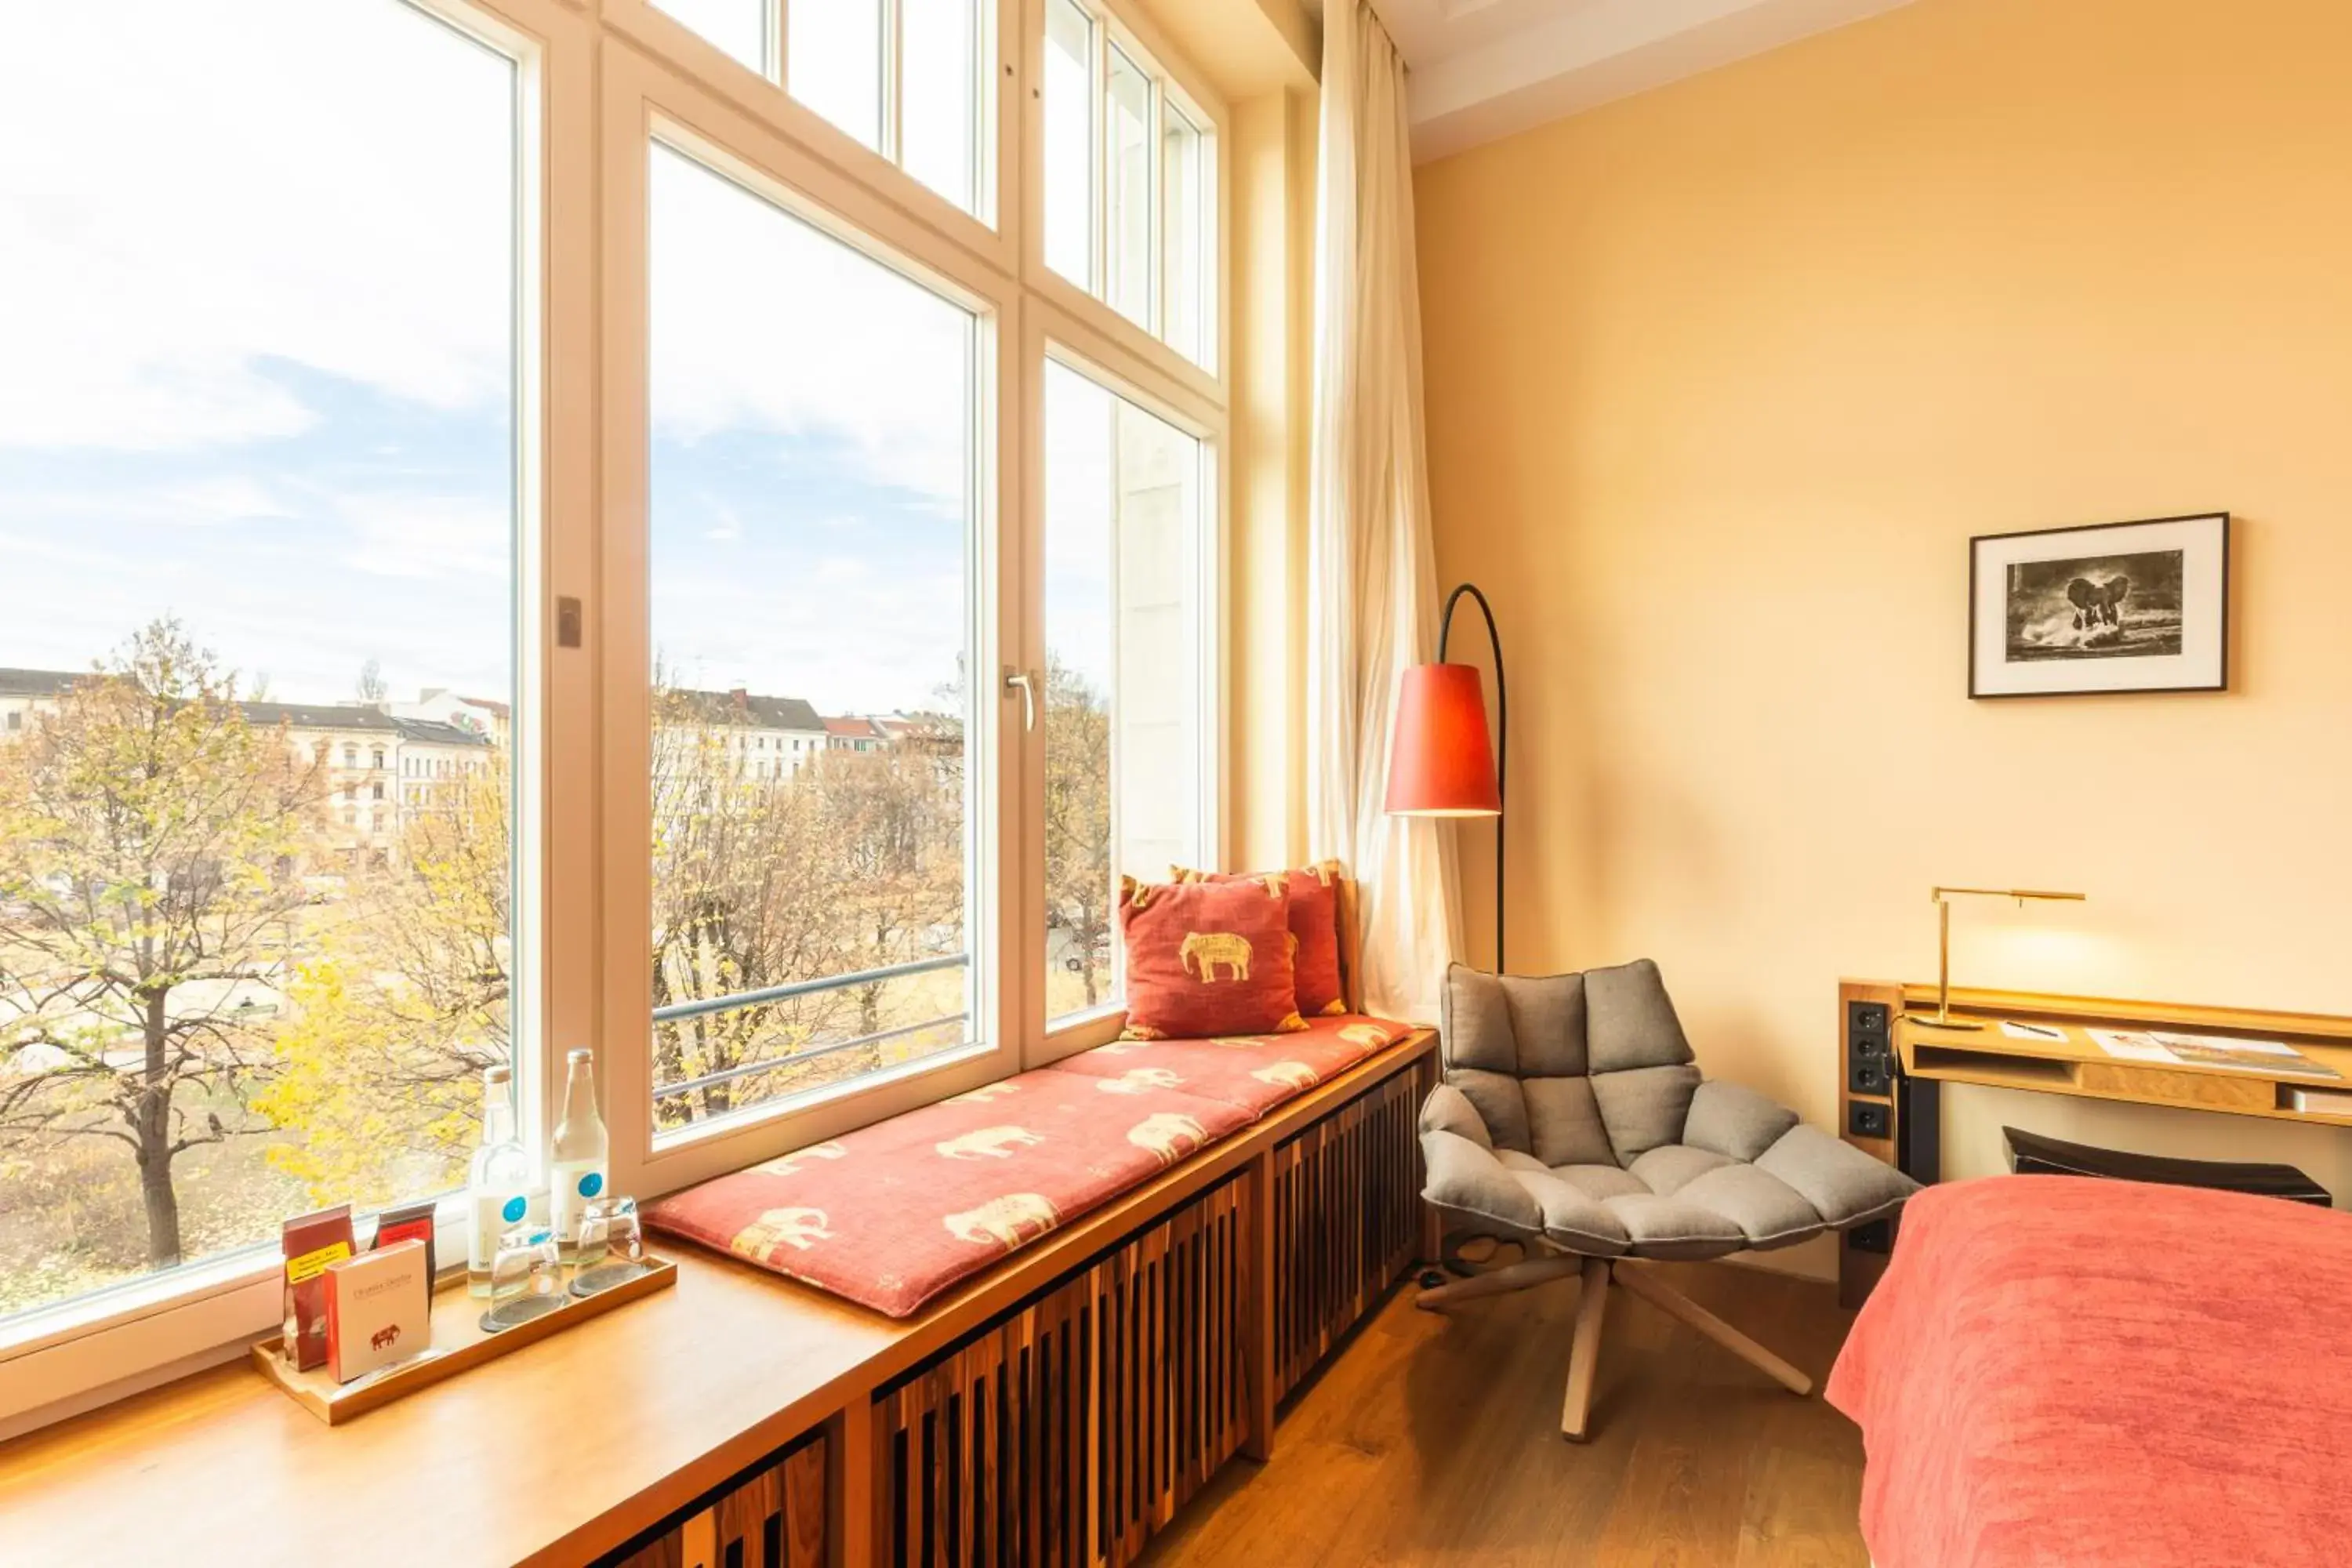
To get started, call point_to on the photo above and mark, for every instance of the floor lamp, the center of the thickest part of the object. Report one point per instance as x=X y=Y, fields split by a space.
x=1441 y=762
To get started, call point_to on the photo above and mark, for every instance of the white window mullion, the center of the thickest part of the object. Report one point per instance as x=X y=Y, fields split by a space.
x=1117 y=685
x=893 y=81
x=1155 y=162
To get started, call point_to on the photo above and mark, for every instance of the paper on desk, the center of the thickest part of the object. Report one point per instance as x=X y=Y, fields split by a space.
x=2245 y=1055
x=2132 y=1045
x=2269 y=1057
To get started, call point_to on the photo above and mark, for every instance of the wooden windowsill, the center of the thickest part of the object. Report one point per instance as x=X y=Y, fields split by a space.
x=553 y=1455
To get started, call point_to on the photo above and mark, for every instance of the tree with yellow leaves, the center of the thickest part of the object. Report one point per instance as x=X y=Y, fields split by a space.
x=399 y=1005
x=151 y=848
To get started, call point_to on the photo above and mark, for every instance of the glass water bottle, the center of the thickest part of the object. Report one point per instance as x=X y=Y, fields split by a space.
x=498 y=1183
x=579 y=1166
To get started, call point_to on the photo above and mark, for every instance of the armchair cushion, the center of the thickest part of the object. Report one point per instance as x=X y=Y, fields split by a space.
x=1602 y=1181
x=1644 y=1107
x=1670 y=1167
x=1675 y=1228
x=1768 y=1211
x=1631 y=1020
x=1564 y=1123
x=1516 y=1193
x=1448 y=1110
x=1577 y=1222
x=1734 y=1121
x=1547 y=1023
x=1846 y=1185
x=1502 y=1105
x=1474 y=1018
x=1466 y=1177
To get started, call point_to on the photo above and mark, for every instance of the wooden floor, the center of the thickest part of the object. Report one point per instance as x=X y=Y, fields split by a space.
x=1435 y=1439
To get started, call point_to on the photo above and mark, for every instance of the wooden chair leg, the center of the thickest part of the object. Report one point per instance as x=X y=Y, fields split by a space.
x=1584 y=1353
x=1497 y=1281
x=1675 y=1304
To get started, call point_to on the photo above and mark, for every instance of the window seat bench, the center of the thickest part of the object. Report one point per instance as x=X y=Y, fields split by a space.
x=900 y=1211
x=739 y=1406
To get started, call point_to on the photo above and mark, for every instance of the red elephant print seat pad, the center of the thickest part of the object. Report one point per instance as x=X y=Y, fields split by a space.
x=1255 y=1072
x=892 y=1214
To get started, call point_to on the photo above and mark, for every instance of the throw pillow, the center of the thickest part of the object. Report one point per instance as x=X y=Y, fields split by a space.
x=1205 y=959
x=1314 y=921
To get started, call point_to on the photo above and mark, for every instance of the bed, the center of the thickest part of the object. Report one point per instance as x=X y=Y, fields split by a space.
x=2057 y=1371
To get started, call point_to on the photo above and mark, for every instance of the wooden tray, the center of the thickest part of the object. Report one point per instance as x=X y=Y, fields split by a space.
x=459 y=1343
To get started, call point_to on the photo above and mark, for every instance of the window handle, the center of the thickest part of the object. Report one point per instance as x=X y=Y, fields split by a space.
x=1027 y=683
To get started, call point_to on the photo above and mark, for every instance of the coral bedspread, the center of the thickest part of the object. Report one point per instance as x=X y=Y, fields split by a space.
x=2057 y=1371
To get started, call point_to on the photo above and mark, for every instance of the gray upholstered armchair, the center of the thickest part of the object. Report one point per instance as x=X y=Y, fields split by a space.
x=1571 y=1119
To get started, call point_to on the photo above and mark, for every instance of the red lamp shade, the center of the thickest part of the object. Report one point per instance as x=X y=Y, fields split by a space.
x=1441 y=762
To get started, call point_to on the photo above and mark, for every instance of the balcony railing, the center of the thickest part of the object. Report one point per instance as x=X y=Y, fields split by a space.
x=706 y=1005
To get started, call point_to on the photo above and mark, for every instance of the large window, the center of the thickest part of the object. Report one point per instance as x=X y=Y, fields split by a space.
x=1130 y=174
x=516 y=533
x=258 y=543
x=1124 y=672
x=813 y=509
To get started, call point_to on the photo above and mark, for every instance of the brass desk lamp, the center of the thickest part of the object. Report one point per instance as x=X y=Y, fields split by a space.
x=1942 y=1018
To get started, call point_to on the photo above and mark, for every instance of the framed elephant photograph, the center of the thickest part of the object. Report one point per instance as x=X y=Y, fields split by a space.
x=2114 y=607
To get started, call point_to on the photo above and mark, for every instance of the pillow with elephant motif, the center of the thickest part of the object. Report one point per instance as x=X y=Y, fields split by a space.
x=1314 y=930
x=1205 y=959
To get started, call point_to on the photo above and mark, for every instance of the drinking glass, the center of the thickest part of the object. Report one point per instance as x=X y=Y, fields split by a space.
x=611 y=1248
x=526 y=1279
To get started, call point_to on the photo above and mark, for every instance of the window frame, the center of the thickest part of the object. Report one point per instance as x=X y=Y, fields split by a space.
x=78 y=1354
x=644 y=101
x=1117 y=25
x=1081 y=346
x=985 y=232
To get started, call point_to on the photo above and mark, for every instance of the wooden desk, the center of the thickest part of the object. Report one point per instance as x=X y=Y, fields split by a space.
x=1891 y=1109
x=2078 y=1065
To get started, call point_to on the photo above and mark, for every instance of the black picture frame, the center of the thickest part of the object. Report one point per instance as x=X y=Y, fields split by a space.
x=2119 y=651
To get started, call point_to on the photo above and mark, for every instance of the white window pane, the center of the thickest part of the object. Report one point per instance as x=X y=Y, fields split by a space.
x=833 y=60
x=738 y=26
x=1069 y=142
x=938 y=66
x=1123 y=735
x=1184 y=238
x=1127 y=192
x=811 y=517
x=257 y=419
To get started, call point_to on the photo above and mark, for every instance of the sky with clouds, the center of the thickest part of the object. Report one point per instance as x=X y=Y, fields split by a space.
x=263 y=381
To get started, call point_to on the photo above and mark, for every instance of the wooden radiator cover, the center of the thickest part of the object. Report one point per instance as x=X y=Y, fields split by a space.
x=1347 y=1218
x=1070 y=1429
x=773 y=1516
x=1065 y=1431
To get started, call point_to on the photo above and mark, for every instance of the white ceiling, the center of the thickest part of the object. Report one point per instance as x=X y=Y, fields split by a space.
x=1485 y=68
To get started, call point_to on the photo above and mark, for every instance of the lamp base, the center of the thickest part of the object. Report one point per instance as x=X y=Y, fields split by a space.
x=1933 y=1022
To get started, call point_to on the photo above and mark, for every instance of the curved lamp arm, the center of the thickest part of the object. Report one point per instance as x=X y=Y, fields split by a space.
x=1502 y=731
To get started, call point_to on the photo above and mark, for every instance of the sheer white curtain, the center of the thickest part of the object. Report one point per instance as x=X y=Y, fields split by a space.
x=1372 y=578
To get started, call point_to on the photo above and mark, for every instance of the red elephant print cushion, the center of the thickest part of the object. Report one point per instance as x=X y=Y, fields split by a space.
x=1313 y=924
x=1208 y=958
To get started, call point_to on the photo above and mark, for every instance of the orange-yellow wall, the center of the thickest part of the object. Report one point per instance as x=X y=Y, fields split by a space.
x=1720 y=381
